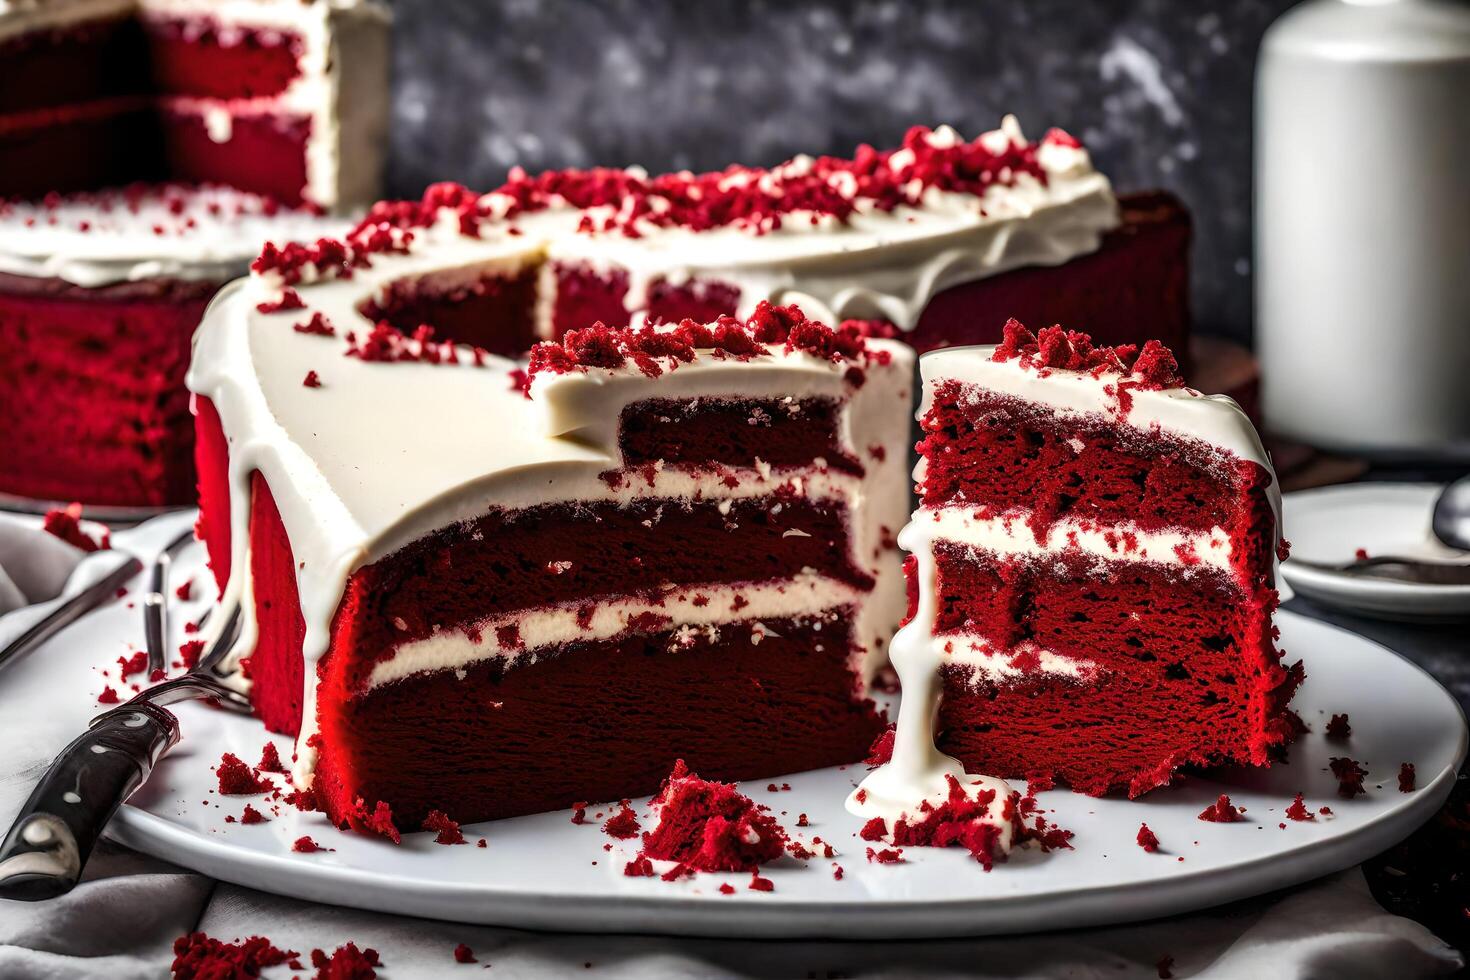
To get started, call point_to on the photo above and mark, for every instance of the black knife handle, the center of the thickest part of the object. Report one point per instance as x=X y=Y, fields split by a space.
x=56 y=829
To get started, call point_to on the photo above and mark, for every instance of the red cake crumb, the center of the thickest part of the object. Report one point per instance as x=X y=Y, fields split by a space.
x=1349 y=775
x=1361 y=554
x=622 y=825
x=304 y=800
x=1222 y=812
x=1298 y=810
x=66 y=525
x=318 y=325
x=726 y=888
x=186 y=590
x=639 y=867
x=136 y=664
x=252 y=815
x=759 y=884
x=305 y=845
x=1406 y=778
x=579 y=813
x=347 y=962
x=1326 y=811
x=881 y=751
x=270 y=759
x=1147 y=839
x=290 y=300
x=238 y=779
x=312 y=380
x=801 y=820
x=463 y=954
x=1166 y=967
x=837 y=872
x=108 y=696
x=1338 y=728
x=379 y=821
x=199 y=957
x=482 y=842
x=711 y=826
x=874 y=829
x=885 y=856
x=448 y=830
x=189 y=652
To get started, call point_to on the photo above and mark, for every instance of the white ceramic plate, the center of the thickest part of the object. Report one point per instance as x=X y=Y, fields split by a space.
x=544 y=872
x=1329 y=525
x=108 y=513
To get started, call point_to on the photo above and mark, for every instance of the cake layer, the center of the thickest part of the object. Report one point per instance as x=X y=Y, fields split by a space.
x=260 y=152
x=68 y=149
x=584 y=293
x=576 y=554
x=76 y=427
x=1074 y=606
x=69 y=64
x=493 y=310
x=1002 y=450
x=594 y=721
x=742 y=432
x=1179 y=670
x=200 y=57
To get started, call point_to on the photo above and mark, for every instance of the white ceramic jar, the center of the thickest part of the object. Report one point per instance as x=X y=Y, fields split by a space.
x=1362 y=224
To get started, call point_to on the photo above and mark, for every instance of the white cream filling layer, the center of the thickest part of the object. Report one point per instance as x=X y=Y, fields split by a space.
x=1009 y=534
x=692 y=612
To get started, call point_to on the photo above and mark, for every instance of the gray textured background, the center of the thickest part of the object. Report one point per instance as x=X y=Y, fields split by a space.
x=1160 y=90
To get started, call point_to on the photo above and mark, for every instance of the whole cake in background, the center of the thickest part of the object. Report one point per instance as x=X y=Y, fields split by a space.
x=938 y=241
x=1091 y=577
x=492 y=590
x=153 y=149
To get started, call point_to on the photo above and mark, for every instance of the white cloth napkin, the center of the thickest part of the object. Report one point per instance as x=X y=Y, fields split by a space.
x=34 y=565
x=121 y=921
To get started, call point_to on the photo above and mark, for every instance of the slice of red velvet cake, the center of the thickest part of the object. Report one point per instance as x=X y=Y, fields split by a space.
x=488 y=590
x=1091 y=576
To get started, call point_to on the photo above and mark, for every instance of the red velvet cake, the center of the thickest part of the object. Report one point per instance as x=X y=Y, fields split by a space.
x=156 y=146
x=492 y=588
x=937 y=241
x=1091 y=576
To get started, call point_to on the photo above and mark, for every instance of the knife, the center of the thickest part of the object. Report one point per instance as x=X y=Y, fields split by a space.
x=53 y=835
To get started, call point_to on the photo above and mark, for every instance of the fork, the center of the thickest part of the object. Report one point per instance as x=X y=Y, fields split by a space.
x=53 y=835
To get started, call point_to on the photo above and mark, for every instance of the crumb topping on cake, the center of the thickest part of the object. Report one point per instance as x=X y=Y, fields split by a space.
x=804 y=191
x=654 y=349
x=1154 y=368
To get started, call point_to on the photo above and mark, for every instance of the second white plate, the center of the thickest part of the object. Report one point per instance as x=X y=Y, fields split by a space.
x=1331 y=524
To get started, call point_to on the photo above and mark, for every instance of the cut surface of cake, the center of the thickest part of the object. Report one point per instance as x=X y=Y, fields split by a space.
x=277 y=97
x=1090 y=576
x=490 y=589
x=155 y=147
